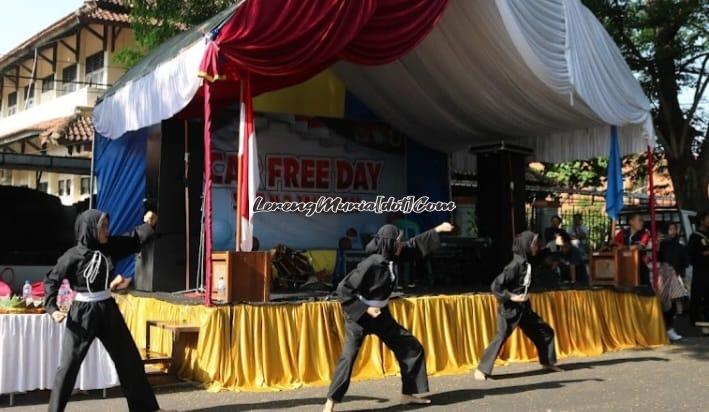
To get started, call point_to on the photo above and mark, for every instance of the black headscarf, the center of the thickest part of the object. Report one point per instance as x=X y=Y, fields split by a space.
x=522 y=244
x=86 y=229
x=384 y=242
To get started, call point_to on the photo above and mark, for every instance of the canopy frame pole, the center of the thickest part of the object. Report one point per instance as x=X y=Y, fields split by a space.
x=653 y=217
x=208 y=192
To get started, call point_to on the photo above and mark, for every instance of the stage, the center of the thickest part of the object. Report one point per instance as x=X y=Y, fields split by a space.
x=277 y=346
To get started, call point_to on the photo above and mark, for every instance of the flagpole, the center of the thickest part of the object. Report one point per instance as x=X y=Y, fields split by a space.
x=239 y=166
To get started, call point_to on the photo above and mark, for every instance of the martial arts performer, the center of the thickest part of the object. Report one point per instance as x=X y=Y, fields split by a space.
x=94 y=313
x=510 y=288
x=364 y=294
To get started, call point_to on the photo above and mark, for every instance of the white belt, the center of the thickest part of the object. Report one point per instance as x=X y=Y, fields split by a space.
x=374 y=303
x=92 y=297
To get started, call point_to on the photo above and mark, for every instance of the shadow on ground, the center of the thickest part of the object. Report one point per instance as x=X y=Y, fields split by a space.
x=577 y=366
x=282 y=404
x=468 y=395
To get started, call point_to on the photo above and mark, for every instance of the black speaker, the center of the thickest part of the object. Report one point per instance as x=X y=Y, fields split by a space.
x=161 y=264
x=501 y=199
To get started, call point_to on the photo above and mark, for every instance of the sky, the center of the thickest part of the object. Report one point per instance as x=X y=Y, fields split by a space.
x=20 y=20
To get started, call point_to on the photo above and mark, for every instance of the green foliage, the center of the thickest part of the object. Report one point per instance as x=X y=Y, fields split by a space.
x=666 y=44
x=578 y=174
x=155 y=21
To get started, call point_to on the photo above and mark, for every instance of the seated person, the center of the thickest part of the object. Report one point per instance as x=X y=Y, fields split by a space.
x=579 y=235
x=570 y=261
x=553 y=230
x=546 y=268
x=636 y=237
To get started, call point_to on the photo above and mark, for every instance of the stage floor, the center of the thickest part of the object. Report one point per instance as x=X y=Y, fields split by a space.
x=284 y=345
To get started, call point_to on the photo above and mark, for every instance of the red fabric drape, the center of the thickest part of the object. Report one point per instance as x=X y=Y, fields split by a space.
x=284 y=42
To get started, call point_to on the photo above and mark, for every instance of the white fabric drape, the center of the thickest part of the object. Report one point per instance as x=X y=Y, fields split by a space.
x=30 y=346
x=150 y=99
x=543 y=74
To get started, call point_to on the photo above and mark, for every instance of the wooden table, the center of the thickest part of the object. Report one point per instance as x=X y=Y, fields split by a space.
x=176 y=329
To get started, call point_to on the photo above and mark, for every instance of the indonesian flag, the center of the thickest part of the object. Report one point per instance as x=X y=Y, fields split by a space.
x=249 y=173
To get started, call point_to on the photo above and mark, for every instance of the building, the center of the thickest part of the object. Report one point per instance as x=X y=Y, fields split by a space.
x=49 y=85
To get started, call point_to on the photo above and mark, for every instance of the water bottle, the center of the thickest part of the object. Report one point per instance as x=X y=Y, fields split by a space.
x=221 y=287
x=63 y=297
x=26 y=291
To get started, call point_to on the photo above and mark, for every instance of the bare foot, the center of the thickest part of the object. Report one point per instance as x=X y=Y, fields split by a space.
x=552 y=368
x=329 y=406
x=479 y=376
x=411 y=399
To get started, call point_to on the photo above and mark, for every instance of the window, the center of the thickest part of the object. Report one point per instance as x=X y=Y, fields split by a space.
x=85 y=186
x=11 y=103
x=69 y=79
x=68 y=187
x=43 y=187
x=60 y=188
x=94 y=69
x=28 y=95
x=48 y=83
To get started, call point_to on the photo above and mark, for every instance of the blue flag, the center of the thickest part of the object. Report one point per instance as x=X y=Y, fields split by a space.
x=614 y=192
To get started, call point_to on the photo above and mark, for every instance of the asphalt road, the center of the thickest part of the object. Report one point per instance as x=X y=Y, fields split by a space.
x=674 y=377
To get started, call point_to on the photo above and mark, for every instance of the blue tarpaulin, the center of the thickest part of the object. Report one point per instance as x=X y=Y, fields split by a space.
x=119 y=167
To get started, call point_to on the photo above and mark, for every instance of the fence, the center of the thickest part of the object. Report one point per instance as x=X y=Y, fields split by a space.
x=590 y=207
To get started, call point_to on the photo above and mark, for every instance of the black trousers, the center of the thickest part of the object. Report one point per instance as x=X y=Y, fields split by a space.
x=541 y=334
x=407 y=349
x=699 y=303
x=103 y=320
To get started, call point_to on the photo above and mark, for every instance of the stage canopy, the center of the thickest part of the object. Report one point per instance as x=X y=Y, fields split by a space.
x=540 y=74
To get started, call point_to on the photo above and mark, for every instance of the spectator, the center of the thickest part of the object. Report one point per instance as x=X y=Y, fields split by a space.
x=579 y=235
x=636 y=237
x=698 y=249
x=673 y=252
x=670 y=288
x=553 y=230
x=570 y=261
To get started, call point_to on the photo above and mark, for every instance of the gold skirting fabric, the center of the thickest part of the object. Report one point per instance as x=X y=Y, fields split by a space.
x=285 y=346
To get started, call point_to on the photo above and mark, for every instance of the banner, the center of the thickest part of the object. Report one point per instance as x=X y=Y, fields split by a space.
x=300 y=160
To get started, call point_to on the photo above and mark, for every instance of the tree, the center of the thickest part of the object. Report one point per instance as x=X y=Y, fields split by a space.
x=155 y=21
x=666 y=42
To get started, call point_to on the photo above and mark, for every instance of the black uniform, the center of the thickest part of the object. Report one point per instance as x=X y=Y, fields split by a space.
x=699 y=305
x=513 y=314
x=87 y=266
x=371 y=284
x=675 y=254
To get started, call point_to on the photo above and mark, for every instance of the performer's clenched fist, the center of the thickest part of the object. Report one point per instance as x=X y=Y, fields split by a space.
x=150 y=218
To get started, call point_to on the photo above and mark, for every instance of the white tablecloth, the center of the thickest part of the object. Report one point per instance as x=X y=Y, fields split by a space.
x=30 y=346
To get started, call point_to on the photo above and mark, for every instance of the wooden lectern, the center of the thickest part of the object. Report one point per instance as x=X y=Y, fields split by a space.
x=620 y=267
x=246 y=276
x=604 y=268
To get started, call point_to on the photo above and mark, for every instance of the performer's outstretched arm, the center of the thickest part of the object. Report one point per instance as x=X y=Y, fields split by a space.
x=123 y=246
x=424 y=243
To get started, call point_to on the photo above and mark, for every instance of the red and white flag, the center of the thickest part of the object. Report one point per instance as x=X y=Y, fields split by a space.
x=249 y=177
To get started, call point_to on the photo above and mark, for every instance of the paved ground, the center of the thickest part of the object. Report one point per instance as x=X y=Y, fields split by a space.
x=675 y=377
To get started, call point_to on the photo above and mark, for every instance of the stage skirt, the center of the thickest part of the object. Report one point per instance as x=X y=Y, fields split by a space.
x=285 y=346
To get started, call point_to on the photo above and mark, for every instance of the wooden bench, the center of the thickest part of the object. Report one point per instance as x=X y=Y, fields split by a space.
x=177 y=329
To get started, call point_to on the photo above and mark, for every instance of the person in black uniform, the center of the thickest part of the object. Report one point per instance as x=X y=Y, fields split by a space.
x=510 y=288
x=94 y=313
x=698 y=249
x=364 y=295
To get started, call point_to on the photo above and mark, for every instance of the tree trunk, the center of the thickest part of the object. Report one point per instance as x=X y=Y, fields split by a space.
x=690 y=179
